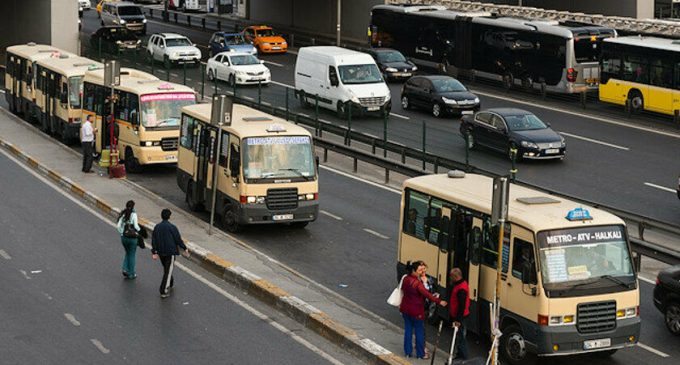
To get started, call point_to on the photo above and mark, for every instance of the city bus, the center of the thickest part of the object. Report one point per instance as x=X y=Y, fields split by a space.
x=266 y=169
x=568 y=285
x=642 y=72
x=19 y=76
x=147 y=115
x=561 y=57
x=58 y=87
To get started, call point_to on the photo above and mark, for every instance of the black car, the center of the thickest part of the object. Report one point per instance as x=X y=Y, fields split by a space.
x=505 y=128
x=438 y=94
x=392 y=64
x=115 y=39
x=667 y=297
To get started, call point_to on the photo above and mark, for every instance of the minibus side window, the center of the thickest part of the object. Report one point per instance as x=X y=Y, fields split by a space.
x=186 y=139
x=414 y=216
x=523 y=260
x=490 y=244
x=224 y=154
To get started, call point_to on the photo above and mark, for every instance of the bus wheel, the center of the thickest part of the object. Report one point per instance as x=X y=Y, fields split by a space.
x=229 y=221
x=299 y=225
x=194 y=206
x=514 y=346
x=131 y=163
x=508 y=80
x=436 y=110
x=635 y=101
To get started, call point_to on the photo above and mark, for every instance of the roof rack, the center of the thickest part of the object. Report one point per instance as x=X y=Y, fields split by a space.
x=644 y=26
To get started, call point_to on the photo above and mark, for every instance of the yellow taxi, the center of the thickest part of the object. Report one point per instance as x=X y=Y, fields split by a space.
x=264 y=39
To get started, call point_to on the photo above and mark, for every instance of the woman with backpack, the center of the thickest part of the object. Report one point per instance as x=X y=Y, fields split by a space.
x=128 y=228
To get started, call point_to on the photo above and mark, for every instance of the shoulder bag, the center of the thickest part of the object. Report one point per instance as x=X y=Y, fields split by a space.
x=397 y=294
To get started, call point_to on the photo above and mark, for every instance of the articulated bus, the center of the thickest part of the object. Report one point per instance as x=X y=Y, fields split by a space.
x=643 y=72
x=568 y=283
x=58 y=88
x=147 y=115
x=19 y=76
x=514 y=51
x=266 y=170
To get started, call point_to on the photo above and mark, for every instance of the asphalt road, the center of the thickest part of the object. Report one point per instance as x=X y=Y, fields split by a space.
x=64 y=299
x=628 y=164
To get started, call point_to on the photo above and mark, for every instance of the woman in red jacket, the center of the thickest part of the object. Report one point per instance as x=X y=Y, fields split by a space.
x=412 y=309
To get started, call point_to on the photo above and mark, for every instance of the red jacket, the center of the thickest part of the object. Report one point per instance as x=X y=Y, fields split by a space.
x=413 y=302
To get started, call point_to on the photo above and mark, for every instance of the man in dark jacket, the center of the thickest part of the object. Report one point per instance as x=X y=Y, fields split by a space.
x=164 y=242
x=459 y=310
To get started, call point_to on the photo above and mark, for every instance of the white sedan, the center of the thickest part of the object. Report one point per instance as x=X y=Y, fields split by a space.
x=238 y=68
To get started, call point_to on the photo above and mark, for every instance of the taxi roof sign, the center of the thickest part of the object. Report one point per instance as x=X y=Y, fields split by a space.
x=579 y=214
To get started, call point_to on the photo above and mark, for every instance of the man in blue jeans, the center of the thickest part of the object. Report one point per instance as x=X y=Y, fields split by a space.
x=165 y=241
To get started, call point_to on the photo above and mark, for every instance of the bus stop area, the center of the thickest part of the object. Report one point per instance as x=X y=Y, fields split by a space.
x=313 y=306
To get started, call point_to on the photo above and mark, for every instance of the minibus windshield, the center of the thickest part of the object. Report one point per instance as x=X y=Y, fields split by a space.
x=579 y=256
x=360 y=74
x=164 y=110
x=280 y=157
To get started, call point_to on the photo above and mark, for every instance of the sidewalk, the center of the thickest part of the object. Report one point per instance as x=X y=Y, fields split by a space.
x=330 y=315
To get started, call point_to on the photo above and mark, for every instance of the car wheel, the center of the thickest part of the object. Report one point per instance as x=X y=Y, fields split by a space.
x=405 y=103
x=672 y=318
x=636 y=102
x=436 y=110
x=514 y=347
x=131 y=163
x=211 y=75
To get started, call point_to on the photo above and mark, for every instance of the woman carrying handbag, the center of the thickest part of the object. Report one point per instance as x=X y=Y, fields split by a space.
x=128 y=228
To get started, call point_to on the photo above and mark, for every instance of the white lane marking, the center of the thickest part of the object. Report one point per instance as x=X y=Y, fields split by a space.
x=595 y=141
x=653 y=350
x=5 y=255
x=98 y=344
x=661 y=187
x=273 y=63
x=593 y=117
x=182 y=267
x=71 y=318
x=330 y=215
x=646 y=280
x=400 y=116
x=360 y=179
x=25 y=274
x=282 y=84
x=36 y=271
x=376 y=233
x=259 y=314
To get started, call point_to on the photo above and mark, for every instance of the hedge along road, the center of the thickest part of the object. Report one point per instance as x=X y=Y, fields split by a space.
x=608 y=162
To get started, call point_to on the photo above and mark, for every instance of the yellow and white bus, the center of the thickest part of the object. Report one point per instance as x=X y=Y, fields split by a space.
x=58 y=90
x=568 y=283
x=266 y=170
x=20 y=76
x=643 y=71
x=147 y=115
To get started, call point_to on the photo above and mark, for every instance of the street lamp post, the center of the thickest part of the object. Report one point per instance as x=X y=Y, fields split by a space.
x=338 y=26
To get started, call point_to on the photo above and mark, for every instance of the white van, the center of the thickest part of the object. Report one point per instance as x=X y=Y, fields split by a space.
x=125 y=14
x=341 y=78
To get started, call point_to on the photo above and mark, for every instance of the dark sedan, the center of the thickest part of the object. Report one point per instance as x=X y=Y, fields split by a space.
x=503 y=129
x=667 y=297
x=115 y=39
x=439 y=95
x=392 y=64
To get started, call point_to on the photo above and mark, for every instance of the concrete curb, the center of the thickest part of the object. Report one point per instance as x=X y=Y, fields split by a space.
x=252 y=284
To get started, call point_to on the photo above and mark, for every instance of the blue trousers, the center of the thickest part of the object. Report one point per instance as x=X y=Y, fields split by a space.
x=411 y=325
x=130 y=258
x=461 y=341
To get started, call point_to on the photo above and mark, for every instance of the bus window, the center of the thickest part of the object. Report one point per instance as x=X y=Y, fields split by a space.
x=475 y=239
x=523 y=261
x=186 y=139
x=433 y=221
x=636 y=69
x=490 y=245
x=416 y=206
x=225 y=150
x=677 y=76
x=611 y=66
x=661 y=72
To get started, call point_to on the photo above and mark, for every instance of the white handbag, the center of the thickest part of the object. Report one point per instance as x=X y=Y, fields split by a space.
x=397 y=294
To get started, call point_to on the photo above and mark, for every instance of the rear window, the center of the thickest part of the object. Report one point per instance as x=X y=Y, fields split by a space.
x=586 y=50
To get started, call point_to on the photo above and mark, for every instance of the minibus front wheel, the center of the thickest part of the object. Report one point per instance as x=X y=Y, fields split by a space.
x=230 y=221
x=514 y=346
x=131 y=163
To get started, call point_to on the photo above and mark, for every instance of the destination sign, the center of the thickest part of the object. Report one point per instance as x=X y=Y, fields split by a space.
x=581 y=236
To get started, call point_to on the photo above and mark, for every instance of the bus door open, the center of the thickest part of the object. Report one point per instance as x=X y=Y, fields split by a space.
x=442 y=266
x=204 y=162
x=474 y=250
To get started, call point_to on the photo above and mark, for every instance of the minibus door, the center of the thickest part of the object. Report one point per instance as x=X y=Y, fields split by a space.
x=442 y=268
x=474 y=241
x=203 y=161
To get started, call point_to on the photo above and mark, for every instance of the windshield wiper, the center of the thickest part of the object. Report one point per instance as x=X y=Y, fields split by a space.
x=616 y=280
x=297 y=171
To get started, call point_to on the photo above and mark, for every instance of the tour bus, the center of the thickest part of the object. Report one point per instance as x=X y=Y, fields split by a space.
x=147 y=115
x=266 y=170
x=643 y=72
x=19 y=80
x=567 y=280
x=563 y=56
x=58 y=88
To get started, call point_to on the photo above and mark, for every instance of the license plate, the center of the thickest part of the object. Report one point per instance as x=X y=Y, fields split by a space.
x=468 y=112
x=402 y=74
x=597 y=344
x=552 y=151
x=276 y=47
x=282 y=217
x=373 y=108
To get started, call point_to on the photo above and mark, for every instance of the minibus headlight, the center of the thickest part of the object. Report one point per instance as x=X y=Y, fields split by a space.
x=555 y=320
x=355 y=100
x=251 y=199
x=148 y=143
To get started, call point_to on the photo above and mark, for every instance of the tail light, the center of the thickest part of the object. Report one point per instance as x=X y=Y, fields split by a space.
x=571 y=74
